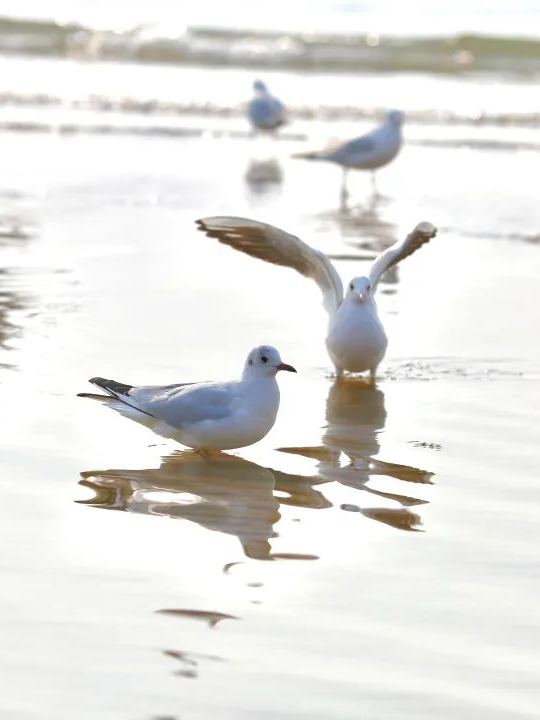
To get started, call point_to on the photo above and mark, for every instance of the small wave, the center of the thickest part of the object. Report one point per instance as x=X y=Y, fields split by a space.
x=458 y=54
x=151 y=107
x=460 y=369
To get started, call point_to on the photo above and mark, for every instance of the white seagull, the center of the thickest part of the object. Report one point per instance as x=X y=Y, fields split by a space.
x=265 y=112
x=355 y=340
x=367 y=152
x=206 y=416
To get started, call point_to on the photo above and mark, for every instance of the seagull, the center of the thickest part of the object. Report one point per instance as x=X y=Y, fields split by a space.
x=356 y=340
x=367 y=152
x=265 y=112
x=206 y=416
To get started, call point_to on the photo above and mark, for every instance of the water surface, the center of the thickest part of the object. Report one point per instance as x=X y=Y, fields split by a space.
x=376 y=554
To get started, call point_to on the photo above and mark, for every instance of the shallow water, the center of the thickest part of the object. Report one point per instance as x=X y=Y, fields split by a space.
x=376 y=554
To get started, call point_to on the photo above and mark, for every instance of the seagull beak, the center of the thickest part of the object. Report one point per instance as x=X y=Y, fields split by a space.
x=360 y=296
x=284 y=366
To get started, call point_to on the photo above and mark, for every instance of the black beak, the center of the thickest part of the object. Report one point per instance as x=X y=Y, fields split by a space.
x=284 y=366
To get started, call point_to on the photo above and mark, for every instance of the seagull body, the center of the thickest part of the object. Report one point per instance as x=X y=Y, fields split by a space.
x=356 y=340
x=206 y=416
x=265 y=112
x=367 y=152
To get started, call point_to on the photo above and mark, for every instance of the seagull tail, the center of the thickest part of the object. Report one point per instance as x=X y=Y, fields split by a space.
x=112 y=387
x=118 y=397
x=94 y=396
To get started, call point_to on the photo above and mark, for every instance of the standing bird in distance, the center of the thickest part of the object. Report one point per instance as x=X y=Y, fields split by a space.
x=356 y=340
x=265 y=112
x=206 y=416
x=367 y=152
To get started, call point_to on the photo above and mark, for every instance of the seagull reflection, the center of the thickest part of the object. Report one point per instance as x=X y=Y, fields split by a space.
x=263 y=175
x=376 y=233
x=235 y=496
x=355 y=416
x=226 y=494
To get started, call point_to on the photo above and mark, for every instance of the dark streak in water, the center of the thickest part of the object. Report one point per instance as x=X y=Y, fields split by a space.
x=189 y=662
x=211 y=617
x=293 y=556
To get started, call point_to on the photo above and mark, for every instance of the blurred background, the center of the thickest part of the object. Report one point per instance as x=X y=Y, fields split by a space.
x=160 y=67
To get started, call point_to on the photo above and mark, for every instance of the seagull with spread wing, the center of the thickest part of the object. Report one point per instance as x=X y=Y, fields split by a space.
x=367 y=152
x=356 y=340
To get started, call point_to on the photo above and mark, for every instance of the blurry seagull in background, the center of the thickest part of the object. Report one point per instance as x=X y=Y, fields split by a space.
x=206 y=416
x=367 y=152
x=355 y=340
x=265 y=112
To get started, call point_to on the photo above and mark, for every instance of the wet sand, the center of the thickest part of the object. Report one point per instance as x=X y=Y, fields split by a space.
x=385 y=564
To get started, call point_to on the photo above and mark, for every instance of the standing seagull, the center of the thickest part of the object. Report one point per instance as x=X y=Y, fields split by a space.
x=367 y=152
x=265 y=112
x=206 y=416
x=356 y=340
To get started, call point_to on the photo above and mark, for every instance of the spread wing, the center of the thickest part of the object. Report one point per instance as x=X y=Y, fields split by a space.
x=401 y=249
x=269 y=243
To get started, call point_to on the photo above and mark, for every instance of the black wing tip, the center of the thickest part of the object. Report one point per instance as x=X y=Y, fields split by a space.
x=93 y=396
x=111 y=386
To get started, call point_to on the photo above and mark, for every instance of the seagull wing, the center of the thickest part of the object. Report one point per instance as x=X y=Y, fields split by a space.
x=269 y=243
x=358 y=147
x=192 y=404
x=176 y=404
x=401 y=249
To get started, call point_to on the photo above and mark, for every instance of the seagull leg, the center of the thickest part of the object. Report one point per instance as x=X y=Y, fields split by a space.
x=344 y=192
x=206 y=453
x=374 y=190
x=373 y=374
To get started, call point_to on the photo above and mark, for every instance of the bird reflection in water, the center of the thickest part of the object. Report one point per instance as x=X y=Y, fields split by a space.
x=355 y=417
x=263 y=175
x=226 y=494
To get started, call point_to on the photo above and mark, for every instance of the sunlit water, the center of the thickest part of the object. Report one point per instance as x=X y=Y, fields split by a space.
x=377 y=554
x=383 y=562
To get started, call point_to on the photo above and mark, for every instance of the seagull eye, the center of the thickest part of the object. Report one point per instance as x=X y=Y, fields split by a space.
x=351 y=286
x=264 y=359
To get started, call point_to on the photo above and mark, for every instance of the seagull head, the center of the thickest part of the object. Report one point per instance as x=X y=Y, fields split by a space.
x=359 y=289
x=259 y=87
x=265 y=361
x=395 y=118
